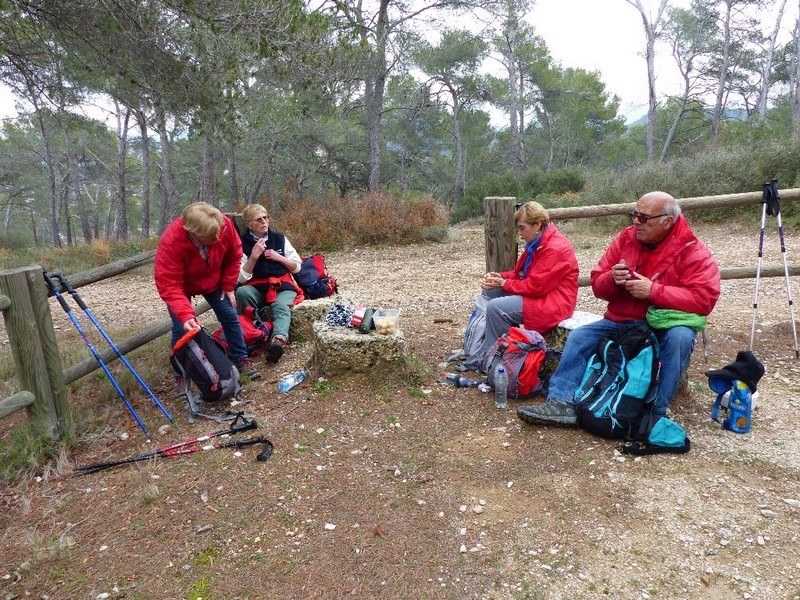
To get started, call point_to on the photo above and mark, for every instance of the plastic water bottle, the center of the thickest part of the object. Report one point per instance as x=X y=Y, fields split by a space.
x=500 y=387
x=291 y=380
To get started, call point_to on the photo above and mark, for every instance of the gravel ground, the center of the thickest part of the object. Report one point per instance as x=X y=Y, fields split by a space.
x=505 y=510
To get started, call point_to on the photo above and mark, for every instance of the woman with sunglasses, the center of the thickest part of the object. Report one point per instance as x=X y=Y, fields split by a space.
x=267 y=264
x=199 y=254
x=541 y=290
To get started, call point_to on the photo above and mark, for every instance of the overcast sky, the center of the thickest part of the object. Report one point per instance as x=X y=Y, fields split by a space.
x=608 y=36
x=602 y=35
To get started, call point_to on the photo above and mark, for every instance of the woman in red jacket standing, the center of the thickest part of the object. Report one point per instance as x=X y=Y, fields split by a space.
x=542 y=290
x=199 y=254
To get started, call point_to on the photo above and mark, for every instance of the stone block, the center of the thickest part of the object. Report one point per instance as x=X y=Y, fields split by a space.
x=305 y=314
x=337 y=350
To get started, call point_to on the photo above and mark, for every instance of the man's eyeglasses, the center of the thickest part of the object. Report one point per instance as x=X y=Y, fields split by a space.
x=637 y=216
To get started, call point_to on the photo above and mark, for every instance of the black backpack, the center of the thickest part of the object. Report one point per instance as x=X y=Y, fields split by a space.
x=202 y=360
x=618 y=392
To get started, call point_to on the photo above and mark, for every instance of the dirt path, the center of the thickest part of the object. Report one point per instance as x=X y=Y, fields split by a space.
x=408 y=489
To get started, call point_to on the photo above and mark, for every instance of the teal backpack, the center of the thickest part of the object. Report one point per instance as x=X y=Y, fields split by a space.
x=617 y=394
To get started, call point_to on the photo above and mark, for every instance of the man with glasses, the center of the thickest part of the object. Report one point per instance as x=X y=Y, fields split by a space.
x=656 y=263
x=267 y=264
x=199 y=255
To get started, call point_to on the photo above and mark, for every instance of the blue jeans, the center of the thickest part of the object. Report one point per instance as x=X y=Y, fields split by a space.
x=227 y=317
x=675 y=346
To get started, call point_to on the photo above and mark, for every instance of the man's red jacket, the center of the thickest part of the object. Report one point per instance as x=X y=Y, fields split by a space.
x=685 y=274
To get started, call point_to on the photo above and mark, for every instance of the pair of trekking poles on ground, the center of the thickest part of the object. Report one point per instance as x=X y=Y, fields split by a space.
x=50 y=279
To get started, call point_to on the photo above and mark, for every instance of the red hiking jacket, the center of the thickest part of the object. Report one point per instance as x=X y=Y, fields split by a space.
x=550 y=288
x=180 y=271
x=684 y=272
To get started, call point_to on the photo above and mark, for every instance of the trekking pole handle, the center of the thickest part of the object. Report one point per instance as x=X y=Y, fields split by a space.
x=246 y=426
x=68 y=286
x=53 y=288
x=265 y=453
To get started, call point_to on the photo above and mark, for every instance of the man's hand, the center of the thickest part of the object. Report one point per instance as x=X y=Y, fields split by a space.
x=620 y=273
x=638 y=286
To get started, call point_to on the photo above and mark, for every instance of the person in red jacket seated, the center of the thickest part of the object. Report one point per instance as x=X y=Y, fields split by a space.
x=542 y=289
x=656 y=263
x=199 y=254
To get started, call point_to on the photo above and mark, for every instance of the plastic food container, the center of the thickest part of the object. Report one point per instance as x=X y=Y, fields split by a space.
x=387 y=320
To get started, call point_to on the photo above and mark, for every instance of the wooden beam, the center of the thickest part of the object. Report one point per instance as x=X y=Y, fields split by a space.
x=15 y=402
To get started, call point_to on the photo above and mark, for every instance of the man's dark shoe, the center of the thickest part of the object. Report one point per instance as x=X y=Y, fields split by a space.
x=276 y=348
x=246 y=368
x=549 y=413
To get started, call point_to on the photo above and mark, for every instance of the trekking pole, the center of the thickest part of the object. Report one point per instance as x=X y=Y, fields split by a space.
x=771 y=206
x=92 y=349
x=190 y=447
x=67 y=286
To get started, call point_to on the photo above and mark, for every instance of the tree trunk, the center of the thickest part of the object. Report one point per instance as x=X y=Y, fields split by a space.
x=513 y=98
x=766 y=68
x=374 y=88
x=123 y=120
x=169 y=202
x=208 y=193
x=75 y=179
x=795 y=82
x=459 y=181
x=51 y=173
x=722 y=80
x=651 y=32
x=141 y=119
x=232 y=178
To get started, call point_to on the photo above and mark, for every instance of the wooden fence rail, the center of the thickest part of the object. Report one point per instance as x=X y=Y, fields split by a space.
x=501 y=239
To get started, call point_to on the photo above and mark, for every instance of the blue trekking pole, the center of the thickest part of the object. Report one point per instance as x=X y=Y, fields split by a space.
x=92 y=349
x=65 y=283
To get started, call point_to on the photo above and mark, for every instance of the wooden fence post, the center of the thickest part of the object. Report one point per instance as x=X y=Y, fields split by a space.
x=35 y=352
x=499 y=233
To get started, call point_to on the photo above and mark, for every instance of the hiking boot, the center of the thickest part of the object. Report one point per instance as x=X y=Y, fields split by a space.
x=245 y=367
x=276 y=348
x=180 y=387
x=549 y=413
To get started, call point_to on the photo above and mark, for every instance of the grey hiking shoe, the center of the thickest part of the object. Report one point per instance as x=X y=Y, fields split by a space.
x=549 y=413
x=245 y=367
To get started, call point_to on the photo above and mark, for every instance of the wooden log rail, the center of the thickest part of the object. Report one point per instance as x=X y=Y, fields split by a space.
x=501 y=239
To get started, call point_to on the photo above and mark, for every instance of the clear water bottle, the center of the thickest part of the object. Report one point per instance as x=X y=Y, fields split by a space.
x=500 y=387
x=291 y=380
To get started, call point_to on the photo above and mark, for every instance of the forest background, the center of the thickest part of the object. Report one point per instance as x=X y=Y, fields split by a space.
x=328 y=110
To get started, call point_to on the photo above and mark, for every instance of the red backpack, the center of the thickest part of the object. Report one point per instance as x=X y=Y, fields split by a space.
x=522 y=352
x=255 y=331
